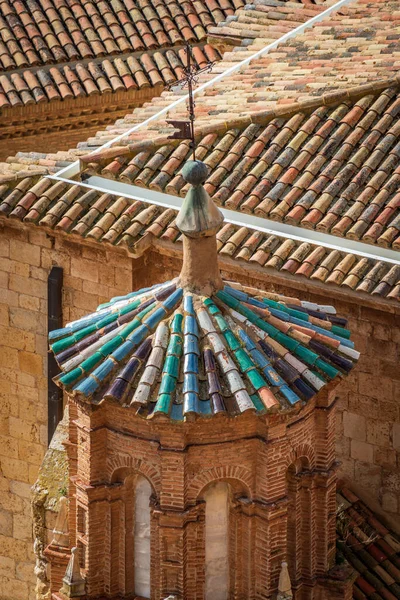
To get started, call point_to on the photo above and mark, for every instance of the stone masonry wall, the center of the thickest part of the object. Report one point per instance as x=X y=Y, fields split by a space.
x=90 y=277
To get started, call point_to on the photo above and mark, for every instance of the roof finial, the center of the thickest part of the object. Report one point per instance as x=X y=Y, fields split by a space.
x=284 y=586
x=73 y=583
x=199 y=220
x=191 y=73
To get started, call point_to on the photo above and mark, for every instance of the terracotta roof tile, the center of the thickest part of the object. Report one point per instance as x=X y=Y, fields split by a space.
x=134 y=226
x=369 y=547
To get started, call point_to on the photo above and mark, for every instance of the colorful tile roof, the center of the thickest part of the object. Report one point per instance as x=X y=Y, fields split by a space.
x=369 y=547
x=168 y=353
x=335 y=168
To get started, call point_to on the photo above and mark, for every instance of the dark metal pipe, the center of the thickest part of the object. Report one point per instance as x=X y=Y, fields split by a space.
x=54 y=321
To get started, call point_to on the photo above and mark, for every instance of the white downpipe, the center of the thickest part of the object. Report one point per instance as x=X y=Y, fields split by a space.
x=73 y=169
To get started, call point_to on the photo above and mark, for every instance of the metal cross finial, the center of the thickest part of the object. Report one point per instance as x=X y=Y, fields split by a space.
x=191 y=75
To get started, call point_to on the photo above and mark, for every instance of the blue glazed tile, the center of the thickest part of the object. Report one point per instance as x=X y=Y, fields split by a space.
x=188 y=304
x=191 y=363
x=190 y=403
x=191 y=326
x=190 y=383
x=191 y=345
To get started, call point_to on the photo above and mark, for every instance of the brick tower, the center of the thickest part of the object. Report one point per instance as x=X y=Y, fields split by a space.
x=201 y=437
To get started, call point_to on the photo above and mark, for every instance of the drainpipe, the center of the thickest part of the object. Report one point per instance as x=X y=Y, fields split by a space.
x=54 y=321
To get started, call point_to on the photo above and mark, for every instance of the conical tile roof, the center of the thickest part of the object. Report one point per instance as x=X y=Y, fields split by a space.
x=164 y=352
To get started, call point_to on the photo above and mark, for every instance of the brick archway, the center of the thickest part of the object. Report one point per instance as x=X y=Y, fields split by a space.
x=133 y=465
x=240 y=479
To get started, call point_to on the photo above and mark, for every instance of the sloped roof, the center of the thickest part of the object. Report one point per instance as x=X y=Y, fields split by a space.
x=355 y=45
x=87 y=214
x=165 y=352
x=334 y=169
x=369 y=547
x=65 y=49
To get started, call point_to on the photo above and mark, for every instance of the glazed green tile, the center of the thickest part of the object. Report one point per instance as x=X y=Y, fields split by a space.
x=257 y=403
x=232 y=341
x=168 y=384
x=71 y=377
x=89 y=363
x=286 y=341
x=256 y=380
x=171 y=366
x=175 y=345
x=111 y=346
x=244 y=360
x=340 y=331
x=163 y=403
x=306 y=355
x=222 y=324
x=176 y=325
x=326 y=368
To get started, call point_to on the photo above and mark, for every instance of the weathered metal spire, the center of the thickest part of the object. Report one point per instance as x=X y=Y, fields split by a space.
x=199 y=220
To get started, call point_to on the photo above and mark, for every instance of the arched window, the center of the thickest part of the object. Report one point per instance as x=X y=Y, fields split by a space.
x=217 y=546
x=142 y=537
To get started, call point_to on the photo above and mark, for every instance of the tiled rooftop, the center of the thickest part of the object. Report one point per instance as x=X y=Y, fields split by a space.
x=334 y=169
x=45 y=32
x=134 y=72
x=358 y=44
x=135 y=226
x=369 y=547
x=166 y=352
x=65 y=49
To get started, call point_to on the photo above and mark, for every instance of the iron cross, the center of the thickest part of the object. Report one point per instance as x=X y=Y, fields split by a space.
x=190 y=78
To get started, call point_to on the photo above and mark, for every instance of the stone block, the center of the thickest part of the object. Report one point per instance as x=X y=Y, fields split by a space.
x=22 y=527
x=25 y=285
x=368 y=476
x=396 y=436
x=15 y=469
x=24 y=252
x=29 y=302
x=390 y=502
x=362 y=451
x=24 y=430
x=8 y=357
x=354 y=426
x=8 y=447
x=6 y=522
x=378 y=433
x=7 y=567
x=21 y=489
x=31 y=363
x=391 y=481
x=390 y=369
x=25 y=572
x=376 y=387
x=12 y=548
x=386 y=457
x=84 y=269
x=30 y=452
x=4 y=317
x=389 y=411
x=12 y=589
x=28 y=320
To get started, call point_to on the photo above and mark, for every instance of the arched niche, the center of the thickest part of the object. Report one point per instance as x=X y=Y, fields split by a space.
x=130 y=540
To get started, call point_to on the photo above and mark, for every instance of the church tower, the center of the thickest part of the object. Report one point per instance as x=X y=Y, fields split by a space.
x=201 y=437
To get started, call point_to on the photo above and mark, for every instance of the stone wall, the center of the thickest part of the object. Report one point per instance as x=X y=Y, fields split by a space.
x=90 y=277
